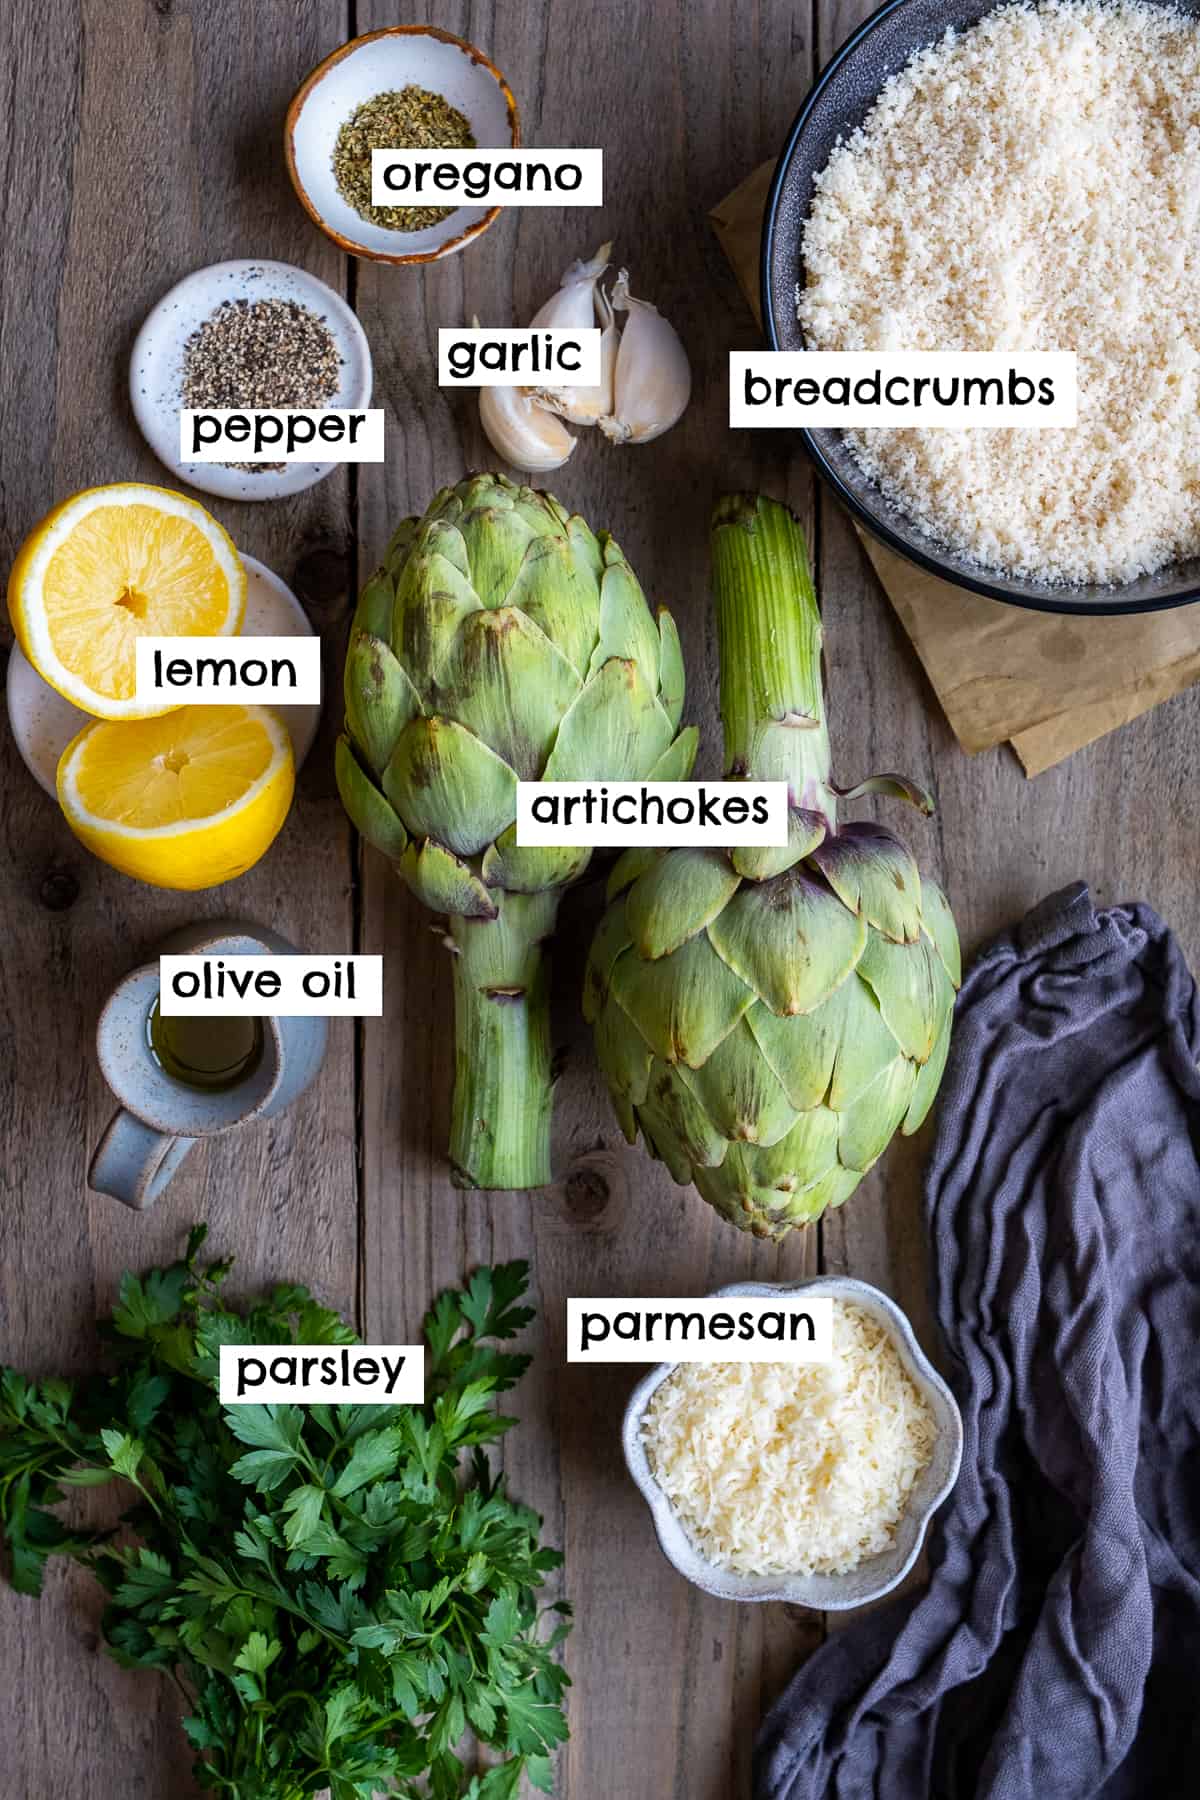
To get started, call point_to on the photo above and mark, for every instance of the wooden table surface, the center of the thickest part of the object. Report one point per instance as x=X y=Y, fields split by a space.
x=139 y=140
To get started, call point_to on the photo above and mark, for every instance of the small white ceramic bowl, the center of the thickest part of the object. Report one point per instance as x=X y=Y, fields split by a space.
x=879 y=1574
x=397 y=57
x=156 y=368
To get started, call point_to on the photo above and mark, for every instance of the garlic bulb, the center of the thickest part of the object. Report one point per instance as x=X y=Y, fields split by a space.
x=523 y=433
x=645 y=379
x=653 y=379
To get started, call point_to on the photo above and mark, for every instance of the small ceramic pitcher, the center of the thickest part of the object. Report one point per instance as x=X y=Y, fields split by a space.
x=160 y=1119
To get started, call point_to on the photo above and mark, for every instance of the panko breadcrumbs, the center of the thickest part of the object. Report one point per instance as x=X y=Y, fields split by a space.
x=1033 y=183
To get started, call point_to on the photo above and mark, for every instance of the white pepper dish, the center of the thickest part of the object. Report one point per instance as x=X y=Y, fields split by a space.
x=156 y=369
x=879 y=1574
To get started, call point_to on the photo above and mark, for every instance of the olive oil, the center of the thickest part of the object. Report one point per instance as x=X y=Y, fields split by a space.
x=210 y=1055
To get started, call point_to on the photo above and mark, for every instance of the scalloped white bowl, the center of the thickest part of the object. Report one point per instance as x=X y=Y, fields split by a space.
x=879 y=1574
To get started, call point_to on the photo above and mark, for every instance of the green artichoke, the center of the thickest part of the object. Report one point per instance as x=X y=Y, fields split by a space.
x=501 y=641
x=770 y=1017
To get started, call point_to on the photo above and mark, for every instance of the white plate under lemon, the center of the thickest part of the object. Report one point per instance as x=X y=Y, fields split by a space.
x=108 y=566
x=188 y=799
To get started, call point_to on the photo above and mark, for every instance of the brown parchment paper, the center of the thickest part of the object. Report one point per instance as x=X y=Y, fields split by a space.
x=1045 y=682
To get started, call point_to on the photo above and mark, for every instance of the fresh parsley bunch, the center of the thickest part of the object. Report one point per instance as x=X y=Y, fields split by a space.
x=340 y=1592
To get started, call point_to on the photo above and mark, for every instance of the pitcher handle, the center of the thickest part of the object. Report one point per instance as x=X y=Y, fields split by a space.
x=133 y=1162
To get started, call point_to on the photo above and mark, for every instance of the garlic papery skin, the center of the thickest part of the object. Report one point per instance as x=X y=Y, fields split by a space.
x=574 y=303
x=523 y=433
x=588 y=405
x=652 y=383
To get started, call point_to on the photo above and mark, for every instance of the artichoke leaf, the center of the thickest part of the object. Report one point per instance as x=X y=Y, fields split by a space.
x=380 y=699
x=496 y=537
x=904 y=979
x=671 y=682
x=432 y=600
x=371 y=814
x=835 y=1186
x=874 y=874
x=626 y=627
x=675 y=763
x=682 y=1128
x=585 y=550
x=865 y=1043
x=929 y=1079
x=677 y=897
x=401 y=541
x=930 y=1075
x=532 y=868
x=739 y=1092
x=870 y=1122
x=938 y=921
x=549 y=590
x=801 y=1048
x=509 y=686
x=624 y=1056
x=683 y=1005
x=797 y=1160
x=447 y=785
x=790 y=939
x=445 y=884
x=758 y=862
x=612 y=939
x=631 y=864
x=373 y=613
x=615 y=724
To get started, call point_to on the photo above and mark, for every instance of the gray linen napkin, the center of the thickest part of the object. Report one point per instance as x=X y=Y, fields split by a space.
x=1055 y=1654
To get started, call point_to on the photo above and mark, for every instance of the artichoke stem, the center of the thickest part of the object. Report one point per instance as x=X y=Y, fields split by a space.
x=769 y=635
x=503 y=1087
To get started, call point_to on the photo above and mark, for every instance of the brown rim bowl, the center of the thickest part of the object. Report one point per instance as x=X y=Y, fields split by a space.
x=396 y=57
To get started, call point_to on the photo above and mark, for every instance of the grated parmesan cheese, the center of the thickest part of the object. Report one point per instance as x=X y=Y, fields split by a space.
x=785 y=1468
x=1033 y=183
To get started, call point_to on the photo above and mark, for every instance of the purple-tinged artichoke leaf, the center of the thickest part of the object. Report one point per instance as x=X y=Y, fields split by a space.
x=759 y=862
x=874 y=874
x=896 y=787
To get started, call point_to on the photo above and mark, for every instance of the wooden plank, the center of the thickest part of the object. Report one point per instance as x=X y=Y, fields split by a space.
x=140 y=142
x=668 y=1684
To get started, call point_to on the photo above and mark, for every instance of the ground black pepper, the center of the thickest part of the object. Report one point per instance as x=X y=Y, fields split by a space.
x=408 y=118
x=260 y=353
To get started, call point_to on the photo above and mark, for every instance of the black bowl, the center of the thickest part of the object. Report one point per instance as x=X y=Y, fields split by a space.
x=840 y=100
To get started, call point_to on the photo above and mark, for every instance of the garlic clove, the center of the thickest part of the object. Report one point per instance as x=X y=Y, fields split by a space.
x=524 y=434
x=652 y=383
x=573 y=304
x=587 y=405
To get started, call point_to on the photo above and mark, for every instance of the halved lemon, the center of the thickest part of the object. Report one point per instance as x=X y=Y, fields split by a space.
x=111 y=565
x=186 y=800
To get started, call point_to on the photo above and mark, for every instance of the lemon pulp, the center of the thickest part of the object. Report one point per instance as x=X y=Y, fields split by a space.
x=125 y=572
